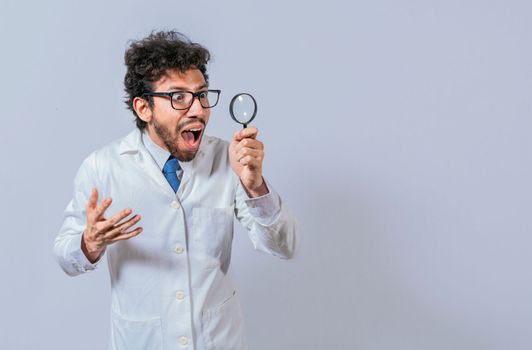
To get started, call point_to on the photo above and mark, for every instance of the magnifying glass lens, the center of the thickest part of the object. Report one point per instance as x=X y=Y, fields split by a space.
x=243 y=108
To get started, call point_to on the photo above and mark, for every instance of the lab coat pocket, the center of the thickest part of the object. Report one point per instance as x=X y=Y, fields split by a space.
x=133 y=335
x=212 y=235
x=223 y=326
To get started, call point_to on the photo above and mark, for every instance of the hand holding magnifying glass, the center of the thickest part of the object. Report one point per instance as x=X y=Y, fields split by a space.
x=245 y=151
x=243 y=108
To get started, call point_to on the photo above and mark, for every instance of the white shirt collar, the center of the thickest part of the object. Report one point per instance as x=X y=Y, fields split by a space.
x=159 y=154
x=137 y=139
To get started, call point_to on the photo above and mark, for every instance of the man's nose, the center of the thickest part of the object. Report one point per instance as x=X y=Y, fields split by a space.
x=196 y=109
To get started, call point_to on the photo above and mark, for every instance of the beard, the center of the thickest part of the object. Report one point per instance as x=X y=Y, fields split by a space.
x=171 y=141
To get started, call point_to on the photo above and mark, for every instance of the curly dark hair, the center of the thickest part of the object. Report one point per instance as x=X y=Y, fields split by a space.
x=147 y=60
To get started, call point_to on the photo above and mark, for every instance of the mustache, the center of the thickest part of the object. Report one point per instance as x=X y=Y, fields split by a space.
x=186 y=123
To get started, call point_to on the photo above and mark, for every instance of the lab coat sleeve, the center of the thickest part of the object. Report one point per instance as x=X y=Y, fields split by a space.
x=67 y=245
x=271 y=226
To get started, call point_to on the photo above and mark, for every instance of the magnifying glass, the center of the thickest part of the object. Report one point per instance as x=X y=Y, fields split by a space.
x=243 y=108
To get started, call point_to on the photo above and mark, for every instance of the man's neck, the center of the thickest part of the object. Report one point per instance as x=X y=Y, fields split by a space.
x=155 y=138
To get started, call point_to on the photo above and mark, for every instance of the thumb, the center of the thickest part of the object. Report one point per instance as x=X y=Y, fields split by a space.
x=249 y=132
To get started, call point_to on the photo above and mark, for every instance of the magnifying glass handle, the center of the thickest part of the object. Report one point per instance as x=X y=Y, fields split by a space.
x=245 y=125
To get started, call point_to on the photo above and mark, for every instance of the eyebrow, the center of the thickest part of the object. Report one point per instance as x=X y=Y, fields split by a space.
x=180 y=88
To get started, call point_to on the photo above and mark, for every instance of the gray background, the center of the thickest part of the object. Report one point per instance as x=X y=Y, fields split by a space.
x=397 y=131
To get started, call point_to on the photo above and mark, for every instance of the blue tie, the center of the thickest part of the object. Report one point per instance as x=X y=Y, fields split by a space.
x=170 y=172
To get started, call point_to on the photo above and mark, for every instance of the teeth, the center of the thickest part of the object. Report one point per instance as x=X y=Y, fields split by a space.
x=198 y=129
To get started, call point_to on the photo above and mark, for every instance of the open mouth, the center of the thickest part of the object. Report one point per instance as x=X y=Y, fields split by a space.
x=192 y=135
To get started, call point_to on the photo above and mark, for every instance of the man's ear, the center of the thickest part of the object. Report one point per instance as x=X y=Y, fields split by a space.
x=143 y=109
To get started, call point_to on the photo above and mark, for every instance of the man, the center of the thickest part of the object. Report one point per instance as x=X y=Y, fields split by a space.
x=166 y=223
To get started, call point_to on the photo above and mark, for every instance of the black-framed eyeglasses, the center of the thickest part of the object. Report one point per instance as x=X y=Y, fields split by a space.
x=184 y=99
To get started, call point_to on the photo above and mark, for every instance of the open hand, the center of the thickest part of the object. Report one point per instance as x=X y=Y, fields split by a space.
x=101 y=232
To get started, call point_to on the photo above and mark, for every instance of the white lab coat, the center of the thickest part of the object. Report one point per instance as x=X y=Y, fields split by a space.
x=170 y=286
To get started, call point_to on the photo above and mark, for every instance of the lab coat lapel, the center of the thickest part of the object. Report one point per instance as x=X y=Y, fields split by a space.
x=132 y=145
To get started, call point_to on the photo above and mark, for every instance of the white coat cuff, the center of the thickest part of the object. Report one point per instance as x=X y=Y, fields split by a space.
x=265 y=209
x=79 y=260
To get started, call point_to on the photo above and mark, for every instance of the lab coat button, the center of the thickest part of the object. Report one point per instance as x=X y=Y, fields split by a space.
x=175 y=205
x=180 y=295
x=183 y=340
x=179 y=249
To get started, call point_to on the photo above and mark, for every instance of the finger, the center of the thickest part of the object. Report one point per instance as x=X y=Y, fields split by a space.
x=123 y=227
x=249 y=132
x=256 y=153
x=249 y=143
x=93 y=199
x=250 y=162
x=127 y=235
x=115 y=219
x=103 y=207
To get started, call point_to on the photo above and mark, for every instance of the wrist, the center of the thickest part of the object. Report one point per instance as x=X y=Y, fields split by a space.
x=92 y=252
x=257 y=191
